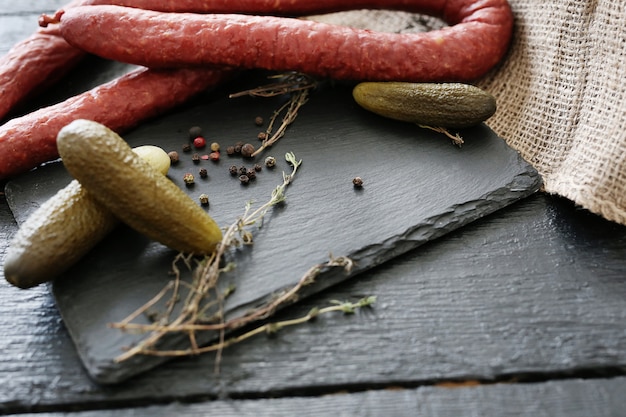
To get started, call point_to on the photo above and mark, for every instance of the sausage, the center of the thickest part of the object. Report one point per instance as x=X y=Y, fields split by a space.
x=30 y=140
x=476 y=42
x=275 y=7
x=33 y=64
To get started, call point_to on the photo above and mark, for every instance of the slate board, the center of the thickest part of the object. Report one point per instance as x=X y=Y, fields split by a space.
x=418 y=186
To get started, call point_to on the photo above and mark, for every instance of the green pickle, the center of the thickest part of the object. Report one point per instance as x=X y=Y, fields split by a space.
x=446 y=105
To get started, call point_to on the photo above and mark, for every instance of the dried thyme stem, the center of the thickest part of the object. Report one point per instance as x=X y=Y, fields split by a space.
x=344 y=307
x=298 y=99
x=294 y=83
x=456 y=139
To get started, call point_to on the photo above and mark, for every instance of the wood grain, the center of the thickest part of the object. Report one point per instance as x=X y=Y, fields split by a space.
x=470 y=306
x=575 y=398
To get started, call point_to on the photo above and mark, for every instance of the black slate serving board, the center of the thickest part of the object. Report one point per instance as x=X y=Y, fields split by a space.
x=417 y=187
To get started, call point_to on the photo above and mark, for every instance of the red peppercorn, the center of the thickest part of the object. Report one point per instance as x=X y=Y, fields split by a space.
x=199 y=142
x=214 y=156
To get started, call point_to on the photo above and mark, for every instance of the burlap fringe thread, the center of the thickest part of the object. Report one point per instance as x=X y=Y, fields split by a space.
x=561 y=93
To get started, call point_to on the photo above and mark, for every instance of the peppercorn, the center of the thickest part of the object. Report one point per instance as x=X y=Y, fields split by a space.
x=270 y=162
x=233 y=170
x=244 y=179
x=261 y=136
x=199 y=142
x=174 y=158
x=258 y=167
x=243 y=170
x=247 y=150
x=215 y=147
x=258 y=121
x=214 y=156
x=238 y=147
x=186 y=147
x=188 y=178
x=203 y=173
x=194 y=132
x=357 y=182
x=195 y=158
x=251 y=174
x=230 y=150
x=204 y=199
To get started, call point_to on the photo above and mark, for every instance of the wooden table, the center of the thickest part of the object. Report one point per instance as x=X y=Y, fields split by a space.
x=520 y=313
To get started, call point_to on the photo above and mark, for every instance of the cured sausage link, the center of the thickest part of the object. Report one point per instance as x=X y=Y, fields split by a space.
x=276 y=7
x=33 y=64
x=476 y=42
x=30 y=140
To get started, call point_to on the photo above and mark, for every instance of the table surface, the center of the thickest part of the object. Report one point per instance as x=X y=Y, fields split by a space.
x=520 y=313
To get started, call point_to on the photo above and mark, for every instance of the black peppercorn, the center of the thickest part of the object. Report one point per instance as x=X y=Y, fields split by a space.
x=244 y=179
x=251 y=174
x=203 y=173
x=174 y=158
x=258 y=167
x=357 y=182
x=195 y=158
x=247 y=150
x=186 y=147
x=194 y=132
x=233 y=170
x=230 y=150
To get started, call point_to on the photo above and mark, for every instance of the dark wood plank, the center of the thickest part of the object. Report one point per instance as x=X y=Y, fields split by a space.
x=573 y=398
x=537 y=289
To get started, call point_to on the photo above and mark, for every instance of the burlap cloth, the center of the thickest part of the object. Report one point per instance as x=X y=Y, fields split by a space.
x=561 y=93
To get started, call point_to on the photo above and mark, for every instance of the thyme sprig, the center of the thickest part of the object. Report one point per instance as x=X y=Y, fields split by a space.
x=294 y=83
x=456 y=139
x=287 y=83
